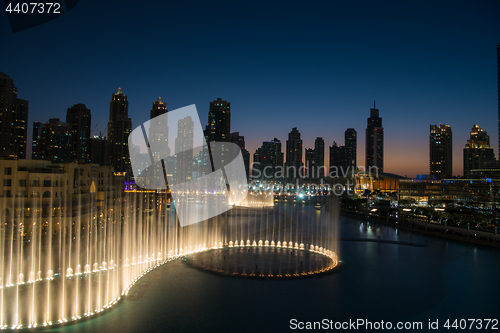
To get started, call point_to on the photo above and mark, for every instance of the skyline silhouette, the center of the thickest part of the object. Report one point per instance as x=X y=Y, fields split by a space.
x=317 y=68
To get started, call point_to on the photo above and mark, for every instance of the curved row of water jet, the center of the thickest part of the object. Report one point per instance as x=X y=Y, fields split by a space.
x=64 y=260
x=233 y=267
x=77 y=258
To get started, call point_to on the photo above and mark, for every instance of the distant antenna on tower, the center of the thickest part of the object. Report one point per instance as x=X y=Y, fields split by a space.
x=374 y=104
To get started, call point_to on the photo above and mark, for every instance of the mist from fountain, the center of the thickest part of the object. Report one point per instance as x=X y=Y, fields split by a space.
x=62 y=260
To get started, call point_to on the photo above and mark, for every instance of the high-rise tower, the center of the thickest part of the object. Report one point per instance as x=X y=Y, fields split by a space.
x=56 y=142
x=441 y=151
x=293 y=154
x=119 y=128
x=219 y=121
x=158 y=132
x=374 y=141
x=184 y=149
x=498 y=96
x=78 y=118
x=318 y=170
x=238 y=139
x=271 y=160
x=35 y=145
x=351 y=147
x=477 y=151
x=13 y=120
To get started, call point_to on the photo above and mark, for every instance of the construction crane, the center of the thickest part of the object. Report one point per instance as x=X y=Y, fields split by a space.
x=93 y=129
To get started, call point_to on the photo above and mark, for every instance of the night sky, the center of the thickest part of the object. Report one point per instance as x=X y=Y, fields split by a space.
x=317 y=66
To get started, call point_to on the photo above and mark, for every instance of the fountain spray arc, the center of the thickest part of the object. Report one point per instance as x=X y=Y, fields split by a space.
x=68 y=260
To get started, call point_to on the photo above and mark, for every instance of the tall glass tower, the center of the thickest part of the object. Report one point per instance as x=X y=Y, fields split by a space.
x=374 y=141
x=119 y=128
x=441 y=151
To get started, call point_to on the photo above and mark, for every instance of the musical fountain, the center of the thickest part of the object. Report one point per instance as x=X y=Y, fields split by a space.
x=78 y=259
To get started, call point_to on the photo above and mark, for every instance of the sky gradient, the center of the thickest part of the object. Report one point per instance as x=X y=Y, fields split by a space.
x=315 y=66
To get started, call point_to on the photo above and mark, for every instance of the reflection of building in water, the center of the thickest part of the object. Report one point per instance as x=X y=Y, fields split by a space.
x=184 y=150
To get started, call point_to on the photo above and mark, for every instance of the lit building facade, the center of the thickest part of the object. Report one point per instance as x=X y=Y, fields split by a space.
x=441 y=151
x=293 y=155
x=374 y=141
x=158 y=132
x=318 y=170
x=13 y=120
x=477 y=151
x=219 y=121
x=35 y=144
x=79 y=119
x=55 y=143
x=351 y=147
x=119 y=128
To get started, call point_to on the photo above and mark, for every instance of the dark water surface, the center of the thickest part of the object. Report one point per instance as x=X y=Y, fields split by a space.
x=376 y=281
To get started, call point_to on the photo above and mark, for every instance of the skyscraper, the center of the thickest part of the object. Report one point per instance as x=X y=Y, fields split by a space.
x=13 y=120
x=37 y=133
x=310 y=166
x=498 y=96
x=184 y=149
x=119 y=128
x=256 y=166
x=238 y=139
x=338 y=164
x=441 y=151
x=477 y=151
x=374 y=141
x=55 y=142
x=219 y=121
x=78 y=118
x=99 y=150
x=293 y=154
x=318 y=170
x=351 y=147
x=158 y=132
x=271 y=160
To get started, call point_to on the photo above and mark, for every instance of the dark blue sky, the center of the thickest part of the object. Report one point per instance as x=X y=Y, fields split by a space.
x=317 y=66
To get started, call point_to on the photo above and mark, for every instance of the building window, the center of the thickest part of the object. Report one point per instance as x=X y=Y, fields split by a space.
x=6 y=193
x=22 y=182
x=8 y=171
x=36 y=182
x=47 y=183
x=7 y=182
x=46 y=194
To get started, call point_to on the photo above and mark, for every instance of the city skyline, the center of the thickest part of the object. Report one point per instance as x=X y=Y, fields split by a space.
x=159 y=103
x=321 y=75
